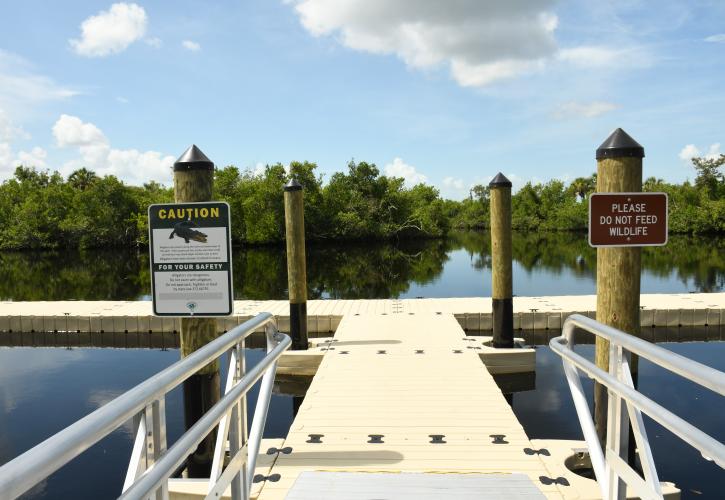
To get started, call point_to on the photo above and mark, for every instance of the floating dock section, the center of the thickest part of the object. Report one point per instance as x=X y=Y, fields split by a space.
x=402 y=394
x=324 y=316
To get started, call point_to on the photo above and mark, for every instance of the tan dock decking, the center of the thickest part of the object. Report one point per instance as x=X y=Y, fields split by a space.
x=403 y=393
x=324 y=316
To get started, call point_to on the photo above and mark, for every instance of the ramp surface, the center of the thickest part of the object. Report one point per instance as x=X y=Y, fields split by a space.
x=405 y=393
x=411 y=486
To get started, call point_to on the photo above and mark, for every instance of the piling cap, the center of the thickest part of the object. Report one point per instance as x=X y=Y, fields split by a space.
x=618 y=145
x=499 y=181
x=193 y=159
x=293 y=185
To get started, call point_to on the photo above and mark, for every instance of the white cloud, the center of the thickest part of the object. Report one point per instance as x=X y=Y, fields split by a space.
x=154 y=42
x=72 y=131
x=607 y=57
x=122 y=100
x=21 y=87
x=9 y=131
x=451 y=182
x=398 y=168
x=111 y=31
x=716 y=38
x=190 y=45
x=96 y=153
x=480 y=75
x=589 y=56
x=35 y=158
x=479 y=41
x=690 y=151
x=713 y=152
x=583 y=109
x=8 y=160
x=454 y=188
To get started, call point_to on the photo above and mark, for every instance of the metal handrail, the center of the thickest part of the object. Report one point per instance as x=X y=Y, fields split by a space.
x=610 y=471
x=176 y=455
x=25 y=471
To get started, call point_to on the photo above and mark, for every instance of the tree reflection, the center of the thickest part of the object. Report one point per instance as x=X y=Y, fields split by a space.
x=350 y=270
x=89 y=275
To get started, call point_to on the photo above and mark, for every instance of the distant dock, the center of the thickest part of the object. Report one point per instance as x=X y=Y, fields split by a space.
x=324 y=316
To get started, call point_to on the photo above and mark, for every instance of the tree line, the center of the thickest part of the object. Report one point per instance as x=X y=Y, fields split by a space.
x=41 y=209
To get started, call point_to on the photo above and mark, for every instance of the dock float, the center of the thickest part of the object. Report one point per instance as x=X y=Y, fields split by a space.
x=403 y=394
x=324 y=316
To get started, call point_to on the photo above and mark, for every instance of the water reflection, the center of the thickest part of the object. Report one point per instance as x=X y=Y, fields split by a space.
x=43 y=390
x=455 y=266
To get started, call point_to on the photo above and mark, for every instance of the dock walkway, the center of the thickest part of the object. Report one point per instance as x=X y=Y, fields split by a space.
x=406 y=393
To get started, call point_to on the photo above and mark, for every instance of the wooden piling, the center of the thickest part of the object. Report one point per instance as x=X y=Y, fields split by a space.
x=294 y=218
x=501 y=264
x=619 y=170
x=193 y=182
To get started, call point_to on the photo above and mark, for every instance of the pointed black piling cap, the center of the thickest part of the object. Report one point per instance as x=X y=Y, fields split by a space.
x=293 y=185
x=618 y=145
x=193 y=159
x=499 y=181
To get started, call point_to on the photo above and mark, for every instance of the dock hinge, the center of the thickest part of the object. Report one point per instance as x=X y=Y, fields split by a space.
x=554 y=480
x=314 y=438
x=542 y=451
x=284 y=451
x=258 y=478
x=499 y=439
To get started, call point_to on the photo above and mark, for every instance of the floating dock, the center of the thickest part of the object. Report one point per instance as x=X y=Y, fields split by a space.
x=402 y=405
x=400 y=398
x=324 y=316
x=402 y=394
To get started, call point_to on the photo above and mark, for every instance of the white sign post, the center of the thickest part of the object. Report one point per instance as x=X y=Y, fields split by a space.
x=191 y=259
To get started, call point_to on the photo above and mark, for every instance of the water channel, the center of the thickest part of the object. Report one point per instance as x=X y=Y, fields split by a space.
x=43 y=389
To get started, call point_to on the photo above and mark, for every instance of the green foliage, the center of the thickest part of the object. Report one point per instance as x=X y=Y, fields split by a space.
x=359 y=204
x=42 y=210
x=474 y=211
x=710 y=178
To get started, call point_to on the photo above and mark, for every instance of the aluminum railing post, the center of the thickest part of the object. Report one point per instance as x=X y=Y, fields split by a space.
x=237 y=483
x=244 y=480
x=158 y=413
x=260 y=410
x=617 y=429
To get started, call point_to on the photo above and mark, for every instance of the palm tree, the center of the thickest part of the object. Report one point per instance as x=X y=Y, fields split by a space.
x=581 y=187
x=82 y=178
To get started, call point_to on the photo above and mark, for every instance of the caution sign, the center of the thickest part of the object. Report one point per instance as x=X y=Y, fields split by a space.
x=627 y=219
x=191 y=259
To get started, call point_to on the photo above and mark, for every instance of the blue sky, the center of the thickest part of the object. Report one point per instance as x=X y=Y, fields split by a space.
x=445 y=92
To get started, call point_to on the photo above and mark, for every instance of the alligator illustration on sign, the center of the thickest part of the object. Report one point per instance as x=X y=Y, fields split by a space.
x=186 y=230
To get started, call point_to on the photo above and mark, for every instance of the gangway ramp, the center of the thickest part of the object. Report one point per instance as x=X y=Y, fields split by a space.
x=405 y=393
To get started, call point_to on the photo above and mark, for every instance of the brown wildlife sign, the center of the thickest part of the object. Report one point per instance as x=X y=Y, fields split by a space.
x=627 y=219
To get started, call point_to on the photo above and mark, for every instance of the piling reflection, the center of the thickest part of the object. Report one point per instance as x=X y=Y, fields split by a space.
x=201 y=391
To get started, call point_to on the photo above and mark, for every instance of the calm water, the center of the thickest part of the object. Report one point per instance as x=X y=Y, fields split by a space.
x=43 y=390
x=458 y=266
x=70 y=383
